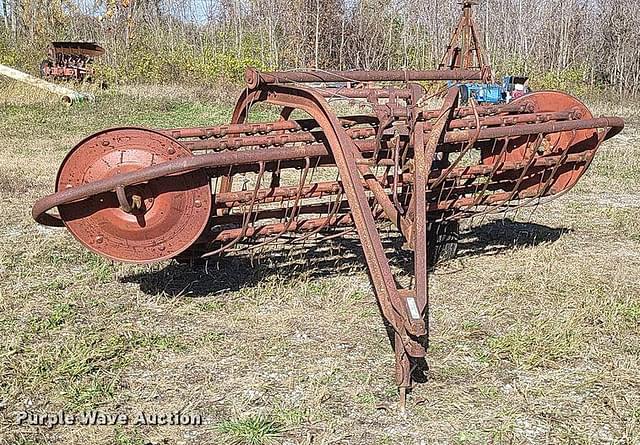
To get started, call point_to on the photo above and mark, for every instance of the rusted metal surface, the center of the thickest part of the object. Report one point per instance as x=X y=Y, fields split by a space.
x=146 y=221
x=465 y=50
x=256 y=78
x=142 y=195
x=70 y=60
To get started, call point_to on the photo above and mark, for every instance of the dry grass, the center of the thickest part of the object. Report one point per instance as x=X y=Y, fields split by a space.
x=535 y=327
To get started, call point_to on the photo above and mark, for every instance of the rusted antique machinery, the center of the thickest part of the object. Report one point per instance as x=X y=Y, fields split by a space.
x=70 y=60
x=139 y=195
x=465 y=49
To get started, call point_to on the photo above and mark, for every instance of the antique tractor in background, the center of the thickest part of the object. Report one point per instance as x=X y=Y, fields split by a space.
x=141 y=196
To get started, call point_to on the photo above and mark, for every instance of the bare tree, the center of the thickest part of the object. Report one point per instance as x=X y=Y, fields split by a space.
x=597 y=38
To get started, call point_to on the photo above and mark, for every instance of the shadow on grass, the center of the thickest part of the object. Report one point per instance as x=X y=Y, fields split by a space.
x=313 y=259
x=501 y=235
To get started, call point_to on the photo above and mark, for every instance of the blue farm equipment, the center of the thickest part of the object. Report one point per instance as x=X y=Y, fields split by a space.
x=511 y=88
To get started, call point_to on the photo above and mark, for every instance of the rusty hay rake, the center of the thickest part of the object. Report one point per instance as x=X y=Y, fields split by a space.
x=141 y=196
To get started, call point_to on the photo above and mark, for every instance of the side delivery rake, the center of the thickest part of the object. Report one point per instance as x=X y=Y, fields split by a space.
x=139 y=195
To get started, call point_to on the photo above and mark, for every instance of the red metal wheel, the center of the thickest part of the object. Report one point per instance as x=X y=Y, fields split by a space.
x=579 y=141
x=157 y=220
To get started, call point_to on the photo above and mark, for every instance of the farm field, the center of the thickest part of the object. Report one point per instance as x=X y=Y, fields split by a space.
x=535 y=326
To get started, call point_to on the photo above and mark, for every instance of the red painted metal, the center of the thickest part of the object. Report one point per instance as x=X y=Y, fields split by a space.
x=146 y=222
x=142 y=195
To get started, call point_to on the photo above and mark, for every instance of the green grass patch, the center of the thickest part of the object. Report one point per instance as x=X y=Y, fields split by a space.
x=536 y=344
x=251 y=430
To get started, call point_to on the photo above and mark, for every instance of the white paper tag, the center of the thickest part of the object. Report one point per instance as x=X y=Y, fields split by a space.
x=413 y=308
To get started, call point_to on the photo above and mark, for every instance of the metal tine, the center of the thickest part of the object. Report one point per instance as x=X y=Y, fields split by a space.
x=451 y=166
x=505 y=144
x=468 y=147
x=516 y=187
x=275 y=176
x=496 y=167
x=601 y=136
x=313 y=170
x=382 y=127
x=561 y=160
x=331 y=214
x=543 y=188
x=481 y=195
x=295 y=208
x=396 y=169
x=245 y=222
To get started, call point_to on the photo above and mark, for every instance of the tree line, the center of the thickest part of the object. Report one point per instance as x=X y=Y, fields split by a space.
x=592 y=43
